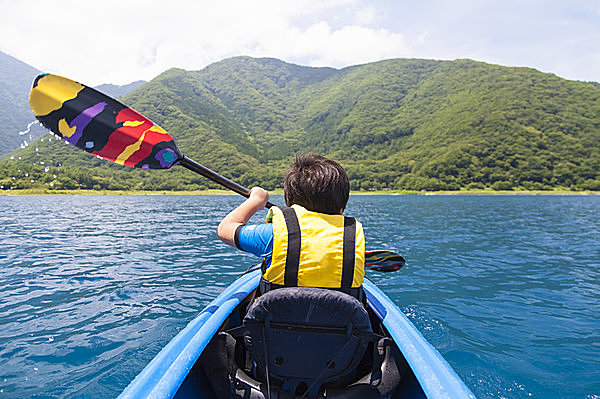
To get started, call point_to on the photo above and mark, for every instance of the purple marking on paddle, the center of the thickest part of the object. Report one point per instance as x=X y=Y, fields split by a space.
x=166 y=157
x=82 y=120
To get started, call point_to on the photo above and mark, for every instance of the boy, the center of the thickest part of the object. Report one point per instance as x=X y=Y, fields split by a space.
x=309 y=243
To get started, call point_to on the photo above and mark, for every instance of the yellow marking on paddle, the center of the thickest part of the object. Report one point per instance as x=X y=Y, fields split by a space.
x=157 y=129
x=65 y=129
x=133 y=123
x=130 y=150
x=51 y=92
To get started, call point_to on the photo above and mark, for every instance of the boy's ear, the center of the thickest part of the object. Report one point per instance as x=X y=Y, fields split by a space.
x=285 y=198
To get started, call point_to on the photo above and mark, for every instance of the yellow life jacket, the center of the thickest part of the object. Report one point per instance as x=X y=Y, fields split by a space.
x=312 y=249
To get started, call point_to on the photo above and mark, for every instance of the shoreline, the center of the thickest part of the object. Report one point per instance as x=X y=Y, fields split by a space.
x=34 y=192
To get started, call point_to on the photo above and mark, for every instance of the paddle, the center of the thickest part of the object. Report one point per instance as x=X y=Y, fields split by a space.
x=383 y=260
x=380 y=260
x=101 y=125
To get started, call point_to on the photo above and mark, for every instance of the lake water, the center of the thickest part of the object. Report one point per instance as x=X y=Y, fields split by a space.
x=507 y=288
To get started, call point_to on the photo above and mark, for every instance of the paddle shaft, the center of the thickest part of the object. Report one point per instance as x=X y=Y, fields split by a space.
x=217 y=178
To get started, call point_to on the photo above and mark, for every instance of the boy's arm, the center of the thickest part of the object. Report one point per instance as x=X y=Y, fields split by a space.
x=240 y=215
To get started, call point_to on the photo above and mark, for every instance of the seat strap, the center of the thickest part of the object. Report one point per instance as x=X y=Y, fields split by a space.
x=364 y=336
x=237 y=332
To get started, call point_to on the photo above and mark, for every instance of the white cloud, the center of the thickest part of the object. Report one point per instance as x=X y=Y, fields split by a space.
x=122 y=41
x=350 y=45
x=366 y=16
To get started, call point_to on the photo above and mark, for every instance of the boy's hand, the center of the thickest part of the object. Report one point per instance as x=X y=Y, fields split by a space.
x=260 y=196
x=239 y=216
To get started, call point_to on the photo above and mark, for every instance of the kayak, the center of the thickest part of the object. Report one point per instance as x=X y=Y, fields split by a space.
x=298 y=343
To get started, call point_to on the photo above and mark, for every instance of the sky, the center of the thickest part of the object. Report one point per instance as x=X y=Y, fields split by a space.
x=123 y=41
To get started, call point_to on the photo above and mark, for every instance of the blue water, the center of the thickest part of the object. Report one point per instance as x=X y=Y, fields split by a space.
x=507 y=288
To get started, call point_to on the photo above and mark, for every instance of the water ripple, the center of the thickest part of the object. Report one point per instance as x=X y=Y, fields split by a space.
x=92 y=287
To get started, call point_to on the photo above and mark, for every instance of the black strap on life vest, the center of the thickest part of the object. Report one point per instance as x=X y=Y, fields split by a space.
x=292 y=260
x=348 y=252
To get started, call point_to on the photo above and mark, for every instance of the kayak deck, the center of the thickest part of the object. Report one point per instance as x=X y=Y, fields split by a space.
x=178 y=371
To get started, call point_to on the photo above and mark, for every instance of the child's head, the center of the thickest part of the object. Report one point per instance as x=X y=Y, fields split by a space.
x=316 y=183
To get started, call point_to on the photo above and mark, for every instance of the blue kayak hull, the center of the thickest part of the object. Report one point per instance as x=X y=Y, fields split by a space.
x=166 y=376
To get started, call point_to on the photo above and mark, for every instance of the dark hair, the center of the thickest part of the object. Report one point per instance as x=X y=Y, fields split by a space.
x=316 y=183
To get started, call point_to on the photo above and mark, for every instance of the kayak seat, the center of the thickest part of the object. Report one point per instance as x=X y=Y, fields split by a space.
x=303 y=340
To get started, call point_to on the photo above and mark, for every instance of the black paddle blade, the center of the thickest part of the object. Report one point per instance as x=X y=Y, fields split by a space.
x=383 y=261
x=101 y=125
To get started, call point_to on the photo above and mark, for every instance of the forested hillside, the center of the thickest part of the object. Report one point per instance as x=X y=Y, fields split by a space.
x=119 y=90
x=395 y=124
x=15 y=115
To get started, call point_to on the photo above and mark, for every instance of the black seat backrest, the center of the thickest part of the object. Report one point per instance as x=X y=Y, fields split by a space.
x=306 y=335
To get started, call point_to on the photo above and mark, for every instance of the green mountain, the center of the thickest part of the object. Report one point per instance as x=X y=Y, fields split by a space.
x=395 y=124
x=119 y=90
x=15 y=115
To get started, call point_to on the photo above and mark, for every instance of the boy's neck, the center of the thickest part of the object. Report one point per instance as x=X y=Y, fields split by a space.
x=311 y=210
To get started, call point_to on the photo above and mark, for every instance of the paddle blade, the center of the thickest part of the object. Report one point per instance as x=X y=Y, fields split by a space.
x=101 y=125
x=383 y=261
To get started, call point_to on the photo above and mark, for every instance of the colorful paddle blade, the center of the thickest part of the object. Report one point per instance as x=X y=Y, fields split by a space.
x=101 y=125
x=383 y=261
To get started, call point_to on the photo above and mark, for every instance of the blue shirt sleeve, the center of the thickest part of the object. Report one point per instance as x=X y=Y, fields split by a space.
x=256 y=239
